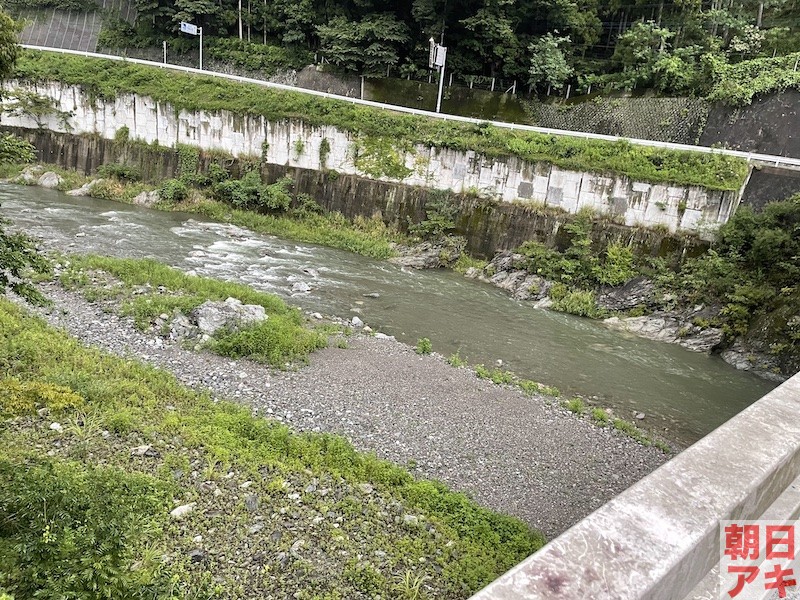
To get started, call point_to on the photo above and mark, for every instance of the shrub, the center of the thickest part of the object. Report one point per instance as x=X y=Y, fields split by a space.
x=618 y=266
x=455 y=360
x=107 y=189
x=440 y=214
x=173 y=191
x=424 y=346
x=121 y=172
x=279 y=340
x=575 y=405
x=70 y=531
x=579 y=302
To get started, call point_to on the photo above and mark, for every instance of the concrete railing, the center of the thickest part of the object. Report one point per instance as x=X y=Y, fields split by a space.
x=750 y=156
x=659 y=539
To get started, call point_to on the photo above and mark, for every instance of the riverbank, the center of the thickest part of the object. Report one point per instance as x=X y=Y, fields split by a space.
x=648 y=297
x=169 y=493
x=492 y=441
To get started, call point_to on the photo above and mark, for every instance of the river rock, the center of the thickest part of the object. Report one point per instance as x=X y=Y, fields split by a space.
x=357 y=322
x=181 y=327
x=671 y=329
x=85 y=189
x=181 y=511
x=429 y=255
x=30 y=175
x=639 y=291
x=301 y=287
x=521 y=284
x=213 y=316
x=147 y=199
x=50 y=180
x=744 y=358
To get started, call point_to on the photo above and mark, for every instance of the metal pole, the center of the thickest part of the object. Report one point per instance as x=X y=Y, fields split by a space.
x=362 y=87
x=200 y=29
x=165 y=51
x=441 y=86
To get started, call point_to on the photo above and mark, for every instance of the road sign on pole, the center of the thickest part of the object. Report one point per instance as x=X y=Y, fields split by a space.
x=193 y=29
x=437 y=56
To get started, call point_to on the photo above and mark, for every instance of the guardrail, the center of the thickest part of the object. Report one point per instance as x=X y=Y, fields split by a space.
x=659 y=539
x=749 y=156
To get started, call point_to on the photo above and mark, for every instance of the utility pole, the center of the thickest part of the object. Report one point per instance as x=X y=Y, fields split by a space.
x=437 y=57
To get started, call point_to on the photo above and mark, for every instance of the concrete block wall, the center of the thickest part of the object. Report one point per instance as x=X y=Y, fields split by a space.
x=294 y=143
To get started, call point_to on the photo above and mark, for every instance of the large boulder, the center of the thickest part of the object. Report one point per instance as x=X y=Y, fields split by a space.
x=639 y=291
x=147 y=199
x=672 y=329
x=85 y=189
x=30 y=175
x=231 y=314
x=50 y=180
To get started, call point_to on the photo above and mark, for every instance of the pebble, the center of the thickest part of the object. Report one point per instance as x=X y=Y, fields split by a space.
x=251 y=502
x=56 y=427
x=255 y=528
x=197 y=555
x=181 y=511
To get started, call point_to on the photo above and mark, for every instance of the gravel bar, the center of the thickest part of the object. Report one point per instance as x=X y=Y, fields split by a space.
x=521 y=455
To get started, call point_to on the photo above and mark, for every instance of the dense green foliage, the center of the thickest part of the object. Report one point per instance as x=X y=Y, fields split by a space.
x=738 y=84
x=91 y=515
x=18 y=253
x=378 y=128
x=667 y=45
x=579 y=265
x=752 y=271
x=748 y=279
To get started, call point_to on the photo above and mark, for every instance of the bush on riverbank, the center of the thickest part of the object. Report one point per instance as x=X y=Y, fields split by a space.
x=748 y=279
x=88 y=501
x=108 y=79
x=146 y=289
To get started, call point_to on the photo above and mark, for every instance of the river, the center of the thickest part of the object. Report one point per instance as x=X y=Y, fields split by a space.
x=684 y=395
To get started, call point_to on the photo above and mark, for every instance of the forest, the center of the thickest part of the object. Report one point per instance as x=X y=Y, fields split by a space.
x=676 y=47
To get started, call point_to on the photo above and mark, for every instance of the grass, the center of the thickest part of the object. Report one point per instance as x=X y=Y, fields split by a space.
x=503 y=377
x=109 y=508
x=600 y=416
x=423 y=346
x=147 y=289
x=368 y=237
x=108 y=79
x=575 y=405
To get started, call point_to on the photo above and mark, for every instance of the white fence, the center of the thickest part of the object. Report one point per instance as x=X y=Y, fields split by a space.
x=750 y=156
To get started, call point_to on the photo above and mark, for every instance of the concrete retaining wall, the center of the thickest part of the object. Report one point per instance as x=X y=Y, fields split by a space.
x=294 y=143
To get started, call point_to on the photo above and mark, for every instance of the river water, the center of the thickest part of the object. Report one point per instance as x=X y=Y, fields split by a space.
x=685 y=395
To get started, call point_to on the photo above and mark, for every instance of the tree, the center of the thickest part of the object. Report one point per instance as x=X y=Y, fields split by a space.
x=548 y=63
x=638 y=50
x=368 y=45
x=493 y=40
x=8 y=44
x=17 y=252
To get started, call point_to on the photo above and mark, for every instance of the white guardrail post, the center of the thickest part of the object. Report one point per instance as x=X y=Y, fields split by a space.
x=777 y=160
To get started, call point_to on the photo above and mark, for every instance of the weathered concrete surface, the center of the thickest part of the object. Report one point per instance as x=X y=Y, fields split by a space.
x=295 y=143
x=659 y=538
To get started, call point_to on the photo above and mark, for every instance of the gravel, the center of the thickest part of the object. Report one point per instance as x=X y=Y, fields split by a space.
x=521 y=455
